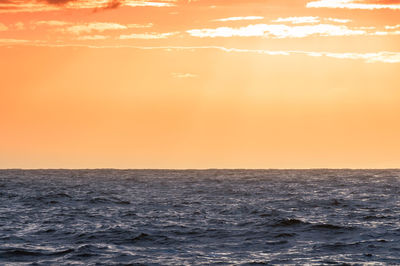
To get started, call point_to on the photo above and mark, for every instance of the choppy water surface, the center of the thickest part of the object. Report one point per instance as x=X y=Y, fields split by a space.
x=199 y=217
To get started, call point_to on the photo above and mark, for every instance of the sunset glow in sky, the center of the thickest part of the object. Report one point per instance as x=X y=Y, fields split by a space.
x=200 y=84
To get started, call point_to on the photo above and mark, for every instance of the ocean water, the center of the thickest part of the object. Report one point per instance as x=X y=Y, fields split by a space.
x=171 y=217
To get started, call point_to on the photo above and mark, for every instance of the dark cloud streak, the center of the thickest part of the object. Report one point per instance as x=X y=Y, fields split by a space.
x=110 y=5
x=57 y=2
x=16 y=5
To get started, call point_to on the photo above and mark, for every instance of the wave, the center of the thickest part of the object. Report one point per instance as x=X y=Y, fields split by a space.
x=15 y=253
x=240 y=217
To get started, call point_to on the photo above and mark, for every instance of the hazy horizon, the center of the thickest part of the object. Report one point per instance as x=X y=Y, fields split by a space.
x=200 y=169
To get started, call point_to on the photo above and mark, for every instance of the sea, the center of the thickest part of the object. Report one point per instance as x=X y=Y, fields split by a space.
x=199 y=217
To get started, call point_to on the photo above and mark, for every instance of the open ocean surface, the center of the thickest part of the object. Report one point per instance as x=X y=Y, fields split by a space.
x=171 y=217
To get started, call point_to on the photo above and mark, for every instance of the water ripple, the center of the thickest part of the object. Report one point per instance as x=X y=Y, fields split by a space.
x=172 y=217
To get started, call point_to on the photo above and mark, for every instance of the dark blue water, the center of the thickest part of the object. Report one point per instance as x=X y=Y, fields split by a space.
x=166 y=217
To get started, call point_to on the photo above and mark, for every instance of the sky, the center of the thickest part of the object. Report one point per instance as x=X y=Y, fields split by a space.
x=199 y=84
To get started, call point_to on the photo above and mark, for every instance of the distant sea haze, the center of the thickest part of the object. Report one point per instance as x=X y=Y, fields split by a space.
x=189 y=217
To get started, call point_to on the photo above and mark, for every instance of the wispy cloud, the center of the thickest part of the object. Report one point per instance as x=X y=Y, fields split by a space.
x=389 y=30
x=13 y=41
x=352 y=4
x=239 y=18
x=19 y=25
x=95 y=26
x=298 y=20
x=338 y=20
x=373 y=57
x=385 y=33
x=13 y=26
x=92 y=37
x=149 y=3
x=140 y=26
x=309 y=20
x=277 y=31
x=382 y=57
x=79 y=28
x=51 y=23
x=392 y=27
x=15 y=6
x=3 y=27
x=183 y=75
x=147 y=36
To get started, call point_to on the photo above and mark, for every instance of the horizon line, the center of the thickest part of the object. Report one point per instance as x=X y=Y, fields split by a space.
x=197 y=169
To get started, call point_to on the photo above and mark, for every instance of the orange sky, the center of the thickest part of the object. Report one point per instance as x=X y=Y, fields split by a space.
x=200 y=84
